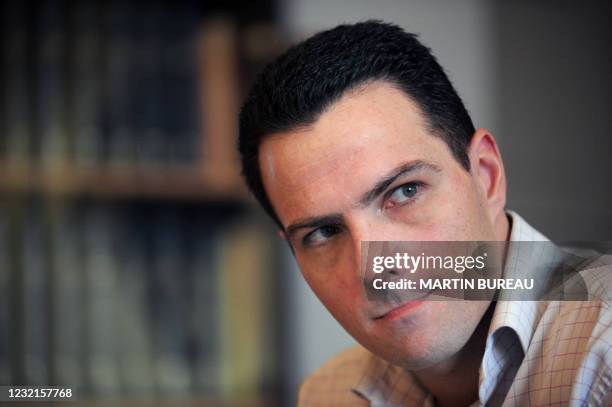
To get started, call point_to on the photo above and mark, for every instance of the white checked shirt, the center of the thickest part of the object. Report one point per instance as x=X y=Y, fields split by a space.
x=538 y=353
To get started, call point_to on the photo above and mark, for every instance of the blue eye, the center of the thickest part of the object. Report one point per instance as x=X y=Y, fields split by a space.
x=404 y=193
x=320 y=235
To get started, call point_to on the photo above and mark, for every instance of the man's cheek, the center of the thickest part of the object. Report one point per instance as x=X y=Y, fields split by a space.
x=338 y=295
x=345 y=311
x=424 y=220
x=324 y=260
x=427 y=228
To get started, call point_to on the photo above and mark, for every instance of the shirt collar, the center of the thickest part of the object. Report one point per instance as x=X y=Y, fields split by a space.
x=520 y=316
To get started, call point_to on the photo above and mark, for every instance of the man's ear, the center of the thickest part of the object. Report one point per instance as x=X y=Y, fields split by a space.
x=488 y=171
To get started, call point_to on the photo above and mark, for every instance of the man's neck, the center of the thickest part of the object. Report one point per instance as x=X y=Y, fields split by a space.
x=503 y=227
x=455 y=382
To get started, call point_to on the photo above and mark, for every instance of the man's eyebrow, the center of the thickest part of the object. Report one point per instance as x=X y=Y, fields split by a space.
x=313 y=222
x=394 y=174
x=367 y=198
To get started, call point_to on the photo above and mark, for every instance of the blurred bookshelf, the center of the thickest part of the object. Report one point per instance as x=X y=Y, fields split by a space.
x=161 y=183
x=134 y=266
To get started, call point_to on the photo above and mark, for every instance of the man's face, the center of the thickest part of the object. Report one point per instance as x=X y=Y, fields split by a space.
x=368 y=169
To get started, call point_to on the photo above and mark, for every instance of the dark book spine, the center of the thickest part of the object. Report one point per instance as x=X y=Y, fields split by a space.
x=204 y=308
x=171 y=366
x=16 y=95
x=86 y=83
x=180 y=83
x=101 y=276
x=36 y=327
x=51 y=102
x=6 y=304
x=67 y=298
x=119 y=76
x=135 y=344
x=149 y=111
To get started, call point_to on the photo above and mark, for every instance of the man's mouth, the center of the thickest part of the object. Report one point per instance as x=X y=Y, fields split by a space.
x=402 y=309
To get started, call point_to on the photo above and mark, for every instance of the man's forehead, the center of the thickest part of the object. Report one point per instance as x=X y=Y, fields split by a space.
x=353 y=143
x=363 y=123
x=309 y=158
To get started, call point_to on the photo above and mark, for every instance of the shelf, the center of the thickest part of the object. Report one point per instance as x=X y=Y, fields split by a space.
x=184 y=183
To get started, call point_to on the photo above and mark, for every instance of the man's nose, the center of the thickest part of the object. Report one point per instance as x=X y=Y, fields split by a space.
x=369 y=239
x=362 y=232
x=372 y=229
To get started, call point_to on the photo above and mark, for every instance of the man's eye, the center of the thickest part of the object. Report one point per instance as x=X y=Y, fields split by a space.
x=320 y=235
x=404 y=193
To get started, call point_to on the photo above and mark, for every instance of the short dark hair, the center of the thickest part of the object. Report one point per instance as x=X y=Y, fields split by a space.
x=296 y=88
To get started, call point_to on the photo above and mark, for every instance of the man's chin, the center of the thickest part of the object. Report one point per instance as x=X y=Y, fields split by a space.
x=414 y=361
x=413 y=353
